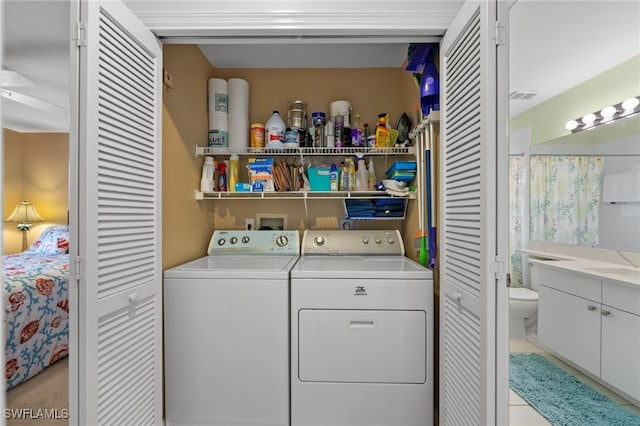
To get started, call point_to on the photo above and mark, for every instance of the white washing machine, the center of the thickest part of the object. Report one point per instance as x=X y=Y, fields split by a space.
x=361 y=332
x=226 y=331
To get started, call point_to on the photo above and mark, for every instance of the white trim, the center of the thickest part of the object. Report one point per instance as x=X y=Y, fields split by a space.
x=329 y=17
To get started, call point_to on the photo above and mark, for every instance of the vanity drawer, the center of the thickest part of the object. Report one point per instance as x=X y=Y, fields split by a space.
x=577 y=284
x=622 y=297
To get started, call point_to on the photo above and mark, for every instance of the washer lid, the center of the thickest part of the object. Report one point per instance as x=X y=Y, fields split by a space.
x=234 y=267
x=522 y=293
x=369 y=267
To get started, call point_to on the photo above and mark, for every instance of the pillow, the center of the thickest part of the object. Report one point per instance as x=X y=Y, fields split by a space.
x=54 y=240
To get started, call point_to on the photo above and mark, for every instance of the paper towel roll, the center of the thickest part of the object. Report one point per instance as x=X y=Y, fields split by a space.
x=238 y=133
x=218 y=101
x=238 y=90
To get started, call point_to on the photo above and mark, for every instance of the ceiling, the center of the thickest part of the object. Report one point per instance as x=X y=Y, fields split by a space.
x=555 y=45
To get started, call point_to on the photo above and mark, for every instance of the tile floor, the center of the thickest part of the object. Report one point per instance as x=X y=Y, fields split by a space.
x=522 y=414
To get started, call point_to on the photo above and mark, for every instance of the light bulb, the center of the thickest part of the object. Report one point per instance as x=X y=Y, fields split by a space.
x=589 y=118
x=630 y=104
x=571 y=124
x=607 y=112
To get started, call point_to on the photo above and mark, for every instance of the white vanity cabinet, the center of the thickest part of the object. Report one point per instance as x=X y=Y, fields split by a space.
x=594 y=324
x=621 y=337
x=569 y=316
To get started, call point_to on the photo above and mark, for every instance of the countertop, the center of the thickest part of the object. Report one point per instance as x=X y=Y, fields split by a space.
x=603 y=270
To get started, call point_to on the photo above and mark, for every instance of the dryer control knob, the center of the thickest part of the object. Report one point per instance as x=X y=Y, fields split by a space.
x=221 y=241
x=245 y=239
x=378 y=241
x=365 y=240
x=319 y=240
x=282 y=241
x=390 y=240
x=233 y=240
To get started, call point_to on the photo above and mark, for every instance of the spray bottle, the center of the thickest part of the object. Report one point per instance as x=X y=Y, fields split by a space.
x=371 y=176
x=333 y=178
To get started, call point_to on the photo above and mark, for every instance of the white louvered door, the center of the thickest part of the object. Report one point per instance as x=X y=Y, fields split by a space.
x=468 y=241
x=119 y=293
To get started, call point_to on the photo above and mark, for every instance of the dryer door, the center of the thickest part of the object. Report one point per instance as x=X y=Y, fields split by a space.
x=362 y=346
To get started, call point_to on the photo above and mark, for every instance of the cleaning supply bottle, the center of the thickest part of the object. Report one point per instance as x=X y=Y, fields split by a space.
x=222 y=179
x=352 y=175
x=234 y=169
x=206 y=182
x=357 y=132
x=344 y=176
x=371 y=176
x=333 y=178
x=274 y=131
x=383 y=136
x=361 y=173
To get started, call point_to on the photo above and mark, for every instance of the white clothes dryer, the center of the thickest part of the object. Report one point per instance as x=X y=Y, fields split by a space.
x=226 y=331
x=361 y=332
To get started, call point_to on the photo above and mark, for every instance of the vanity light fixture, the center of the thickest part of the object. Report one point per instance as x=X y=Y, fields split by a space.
x=608 y=114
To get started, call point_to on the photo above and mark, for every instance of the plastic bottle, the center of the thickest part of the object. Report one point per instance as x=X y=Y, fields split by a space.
x=274 y=131
x=371 y=176
x=333 y=178
x=383 y=136
x=352 y=175
x=361 y=173
x=222 y=180
x=234 y=169
x=206 y=182
x=357 y=132
x=344 y=176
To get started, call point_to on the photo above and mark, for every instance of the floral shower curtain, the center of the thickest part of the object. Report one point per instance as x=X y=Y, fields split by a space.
x=517 y=212
x=565 y=199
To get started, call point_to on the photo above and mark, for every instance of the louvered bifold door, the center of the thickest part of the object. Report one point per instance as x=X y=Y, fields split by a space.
x=119 y=214
x=467 y=209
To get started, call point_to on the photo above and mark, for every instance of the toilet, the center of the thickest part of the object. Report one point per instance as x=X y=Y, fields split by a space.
x=523 y=312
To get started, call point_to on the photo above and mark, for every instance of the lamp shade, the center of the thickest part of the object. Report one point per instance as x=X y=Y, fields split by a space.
x=25 y=213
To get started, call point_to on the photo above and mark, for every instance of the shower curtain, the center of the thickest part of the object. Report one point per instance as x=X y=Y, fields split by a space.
x=517 y=215
x=565 y=199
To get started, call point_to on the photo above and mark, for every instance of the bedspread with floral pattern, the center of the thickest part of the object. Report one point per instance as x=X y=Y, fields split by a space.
x=36 y=305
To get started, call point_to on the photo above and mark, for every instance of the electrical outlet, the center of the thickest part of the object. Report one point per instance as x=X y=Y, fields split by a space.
x=249 y=224
x=167 y=78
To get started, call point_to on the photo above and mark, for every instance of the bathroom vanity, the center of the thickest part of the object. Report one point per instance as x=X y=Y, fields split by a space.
x=589 y=316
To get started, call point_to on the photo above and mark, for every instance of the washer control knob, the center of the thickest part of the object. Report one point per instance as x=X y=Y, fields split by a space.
x=378 y=241
x=319 y=240
x=390 y=240
x=282 y=241
x=245 y=239
x=233 y=240
x=365 y=240
x=221 y=241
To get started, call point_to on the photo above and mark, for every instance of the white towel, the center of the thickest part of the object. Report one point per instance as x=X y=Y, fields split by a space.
x=621 y=187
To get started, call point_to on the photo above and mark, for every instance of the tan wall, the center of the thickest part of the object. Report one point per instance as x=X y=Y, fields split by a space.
x=36 y=169
x=187 y=223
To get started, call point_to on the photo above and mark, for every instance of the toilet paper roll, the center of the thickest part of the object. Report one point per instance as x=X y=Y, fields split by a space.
x=218 y=99
x=238 y=90
x=238 y=133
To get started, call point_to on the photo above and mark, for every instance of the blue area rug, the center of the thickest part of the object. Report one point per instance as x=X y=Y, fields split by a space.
x=561 y=398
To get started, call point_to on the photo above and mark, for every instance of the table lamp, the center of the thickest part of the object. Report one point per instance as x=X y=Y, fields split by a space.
x=24 y=213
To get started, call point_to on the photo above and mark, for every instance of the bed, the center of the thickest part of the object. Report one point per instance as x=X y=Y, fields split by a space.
x=36 y=305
